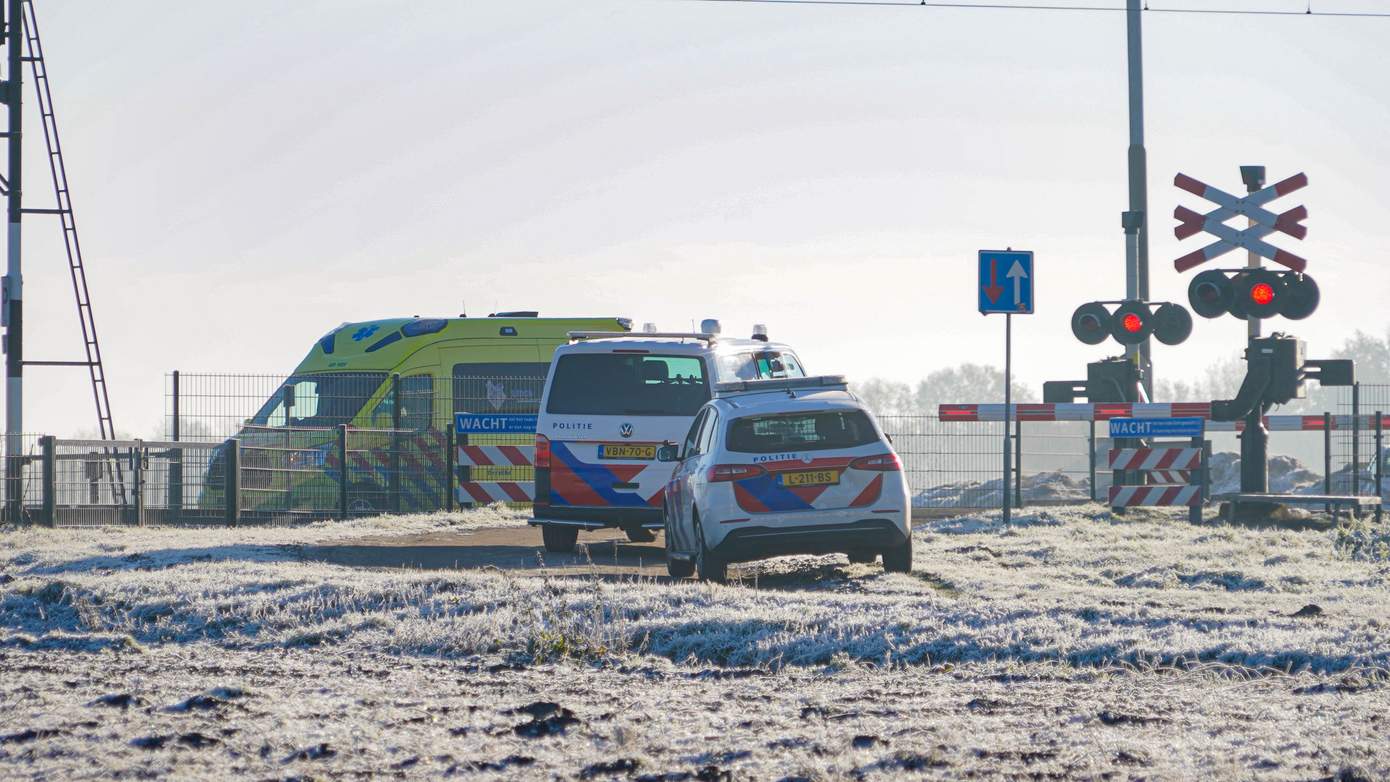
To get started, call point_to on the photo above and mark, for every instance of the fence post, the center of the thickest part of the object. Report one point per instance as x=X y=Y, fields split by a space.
x=1327 y=458
x=137 y=466
x=1091 y=458
x=1018 y=462
x=1355 y=440
x=449 y=456
x=1380 y=462
x=342 y=473
x=175 y=502
x=395 y=442
x=50 y=481
x=232 y=482
x=1194 y=512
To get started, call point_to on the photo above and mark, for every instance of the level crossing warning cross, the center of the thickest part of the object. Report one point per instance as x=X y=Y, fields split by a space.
x=1251 y=206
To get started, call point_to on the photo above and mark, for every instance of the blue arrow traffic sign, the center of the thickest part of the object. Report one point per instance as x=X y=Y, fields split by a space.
x=1006 y=282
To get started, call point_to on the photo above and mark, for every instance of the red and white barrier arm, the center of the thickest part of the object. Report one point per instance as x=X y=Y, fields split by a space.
x=1048 y=412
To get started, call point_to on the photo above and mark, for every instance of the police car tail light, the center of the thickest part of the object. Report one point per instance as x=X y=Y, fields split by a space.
x=542 y=457
x=721 y=473
x=887 y=462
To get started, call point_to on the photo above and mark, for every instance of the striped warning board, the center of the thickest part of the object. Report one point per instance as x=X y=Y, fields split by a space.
x=477 y=493
x=1155 y=458
x=1155 y=496
x=496 y=455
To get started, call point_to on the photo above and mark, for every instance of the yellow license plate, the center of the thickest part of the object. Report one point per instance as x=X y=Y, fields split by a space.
x=810 y=478
x=502 y=473
x=625 y=451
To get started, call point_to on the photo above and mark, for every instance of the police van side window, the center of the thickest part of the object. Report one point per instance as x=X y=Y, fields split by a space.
x=764 y=365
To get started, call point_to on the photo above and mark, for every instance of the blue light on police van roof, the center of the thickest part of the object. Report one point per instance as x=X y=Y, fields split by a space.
x=426 y=326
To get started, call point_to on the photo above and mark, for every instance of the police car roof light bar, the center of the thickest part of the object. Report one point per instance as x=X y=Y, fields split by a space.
x=779 y=384
x=576 y=336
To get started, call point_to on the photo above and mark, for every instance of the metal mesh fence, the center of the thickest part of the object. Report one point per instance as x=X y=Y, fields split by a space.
x=959 y=465
x=19 y=476
x=1358 y=459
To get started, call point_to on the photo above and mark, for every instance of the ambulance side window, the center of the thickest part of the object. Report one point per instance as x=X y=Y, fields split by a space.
x=417 y=405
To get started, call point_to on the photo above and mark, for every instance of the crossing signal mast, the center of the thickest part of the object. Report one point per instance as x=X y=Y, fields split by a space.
x=21 y=37
x=1276 y=367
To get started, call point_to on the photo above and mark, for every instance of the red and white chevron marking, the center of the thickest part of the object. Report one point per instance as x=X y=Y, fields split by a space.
x=1155 y=496
x=1171 y=476
x=490 y=455
x=1155 y=458
x=470 y=492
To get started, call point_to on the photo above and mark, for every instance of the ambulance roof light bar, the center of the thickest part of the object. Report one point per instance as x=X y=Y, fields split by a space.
x=779 y=384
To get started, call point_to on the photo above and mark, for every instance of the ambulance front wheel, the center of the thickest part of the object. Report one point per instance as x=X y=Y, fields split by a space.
x=559 y=539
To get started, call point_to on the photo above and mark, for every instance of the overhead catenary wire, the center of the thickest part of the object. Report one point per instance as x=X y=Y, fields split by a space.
x=1309 y=11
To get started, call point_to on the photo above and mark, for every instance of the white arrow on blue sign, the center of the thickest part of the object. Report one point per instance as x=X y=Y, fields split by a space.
x=1006 y=282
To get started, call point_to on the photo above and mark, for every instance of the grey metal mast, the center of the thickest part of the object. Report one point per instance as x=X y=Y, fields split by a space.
x=1136 y=221
x=14 y=283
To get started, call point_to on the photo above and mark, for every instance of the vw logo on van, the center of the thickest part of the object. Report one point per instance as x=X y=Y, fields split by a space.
x=625 y=430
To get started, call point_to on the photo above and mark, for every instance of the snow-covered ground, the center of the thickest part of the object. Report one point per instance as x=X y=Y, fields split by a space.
x=1069 y=644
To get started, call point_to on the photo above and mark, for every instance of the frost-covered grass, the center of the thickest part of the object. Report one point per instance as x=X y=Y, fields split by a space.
x=1068 y=643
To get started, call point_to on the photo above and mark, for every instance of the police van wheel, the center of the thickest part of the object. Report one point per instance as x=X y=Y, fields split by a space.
x=898 y=559
x=558 y=539
x=708 y=565
x=639 y=535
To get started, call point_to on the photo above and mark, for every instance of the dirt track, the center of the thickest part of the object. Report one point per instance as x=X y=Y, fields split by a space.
x=506 y=548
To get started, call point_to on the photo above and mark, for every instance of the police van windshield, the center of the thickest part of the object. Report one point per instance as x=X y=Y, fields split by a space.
x=628 y=384
x=818 y=431
x=318 y=400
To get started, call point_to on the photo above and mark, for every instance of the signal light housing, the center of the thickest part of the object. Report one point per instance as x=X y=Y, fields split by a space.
x=1091 y=323
x=1260 y=293
x=1172 y=324
x=1210 y=294
x=1131 y=323
x=1253 y=293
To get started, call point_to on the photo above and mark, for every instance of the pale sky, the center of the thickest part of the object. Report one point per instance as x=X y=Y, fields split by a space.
x=248 y=175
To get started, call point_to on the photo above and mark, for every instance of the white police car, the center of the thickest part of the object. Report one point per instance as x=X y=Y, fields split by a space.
x=610 y=401
x=775 y=467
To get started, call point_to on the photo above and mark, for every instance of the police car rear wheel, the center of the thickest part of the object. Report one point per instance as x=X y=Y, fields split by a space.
x=558 y=539
x=709 y=565
x=898 y=559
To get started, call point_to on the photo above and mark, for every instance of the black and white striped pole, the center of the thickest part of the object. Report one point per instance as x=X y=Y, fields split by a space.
x=14 y=281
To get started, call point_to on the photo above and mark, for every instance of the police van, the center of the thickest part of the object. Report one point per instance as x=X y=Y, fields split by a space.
x=611 y=399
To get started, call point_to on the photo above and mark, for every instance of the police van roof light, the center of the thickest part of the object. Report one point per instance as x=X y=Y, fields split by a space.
x=760 y=332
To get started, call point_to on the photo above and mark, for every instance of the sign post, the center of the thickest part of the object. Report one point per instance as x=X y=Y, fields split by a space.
x=1015 y=297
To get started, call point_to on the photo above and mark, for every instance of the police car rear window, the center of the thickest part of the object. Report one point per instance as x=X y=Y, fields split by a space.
x=820 y=431
x=628 y=384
